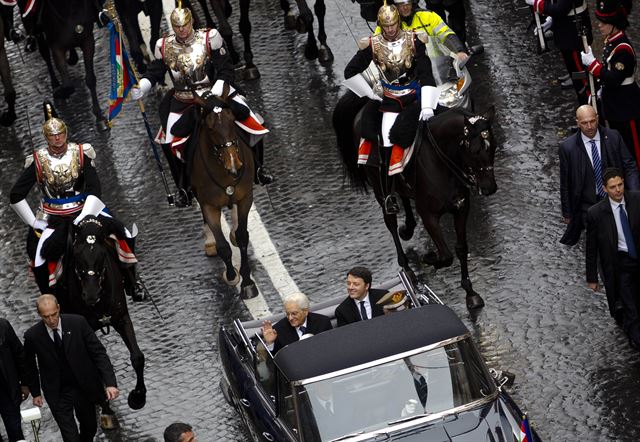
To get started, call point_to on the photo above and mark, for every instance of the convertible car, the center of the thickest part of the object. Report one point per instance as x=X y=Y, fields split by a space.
x=413 y=375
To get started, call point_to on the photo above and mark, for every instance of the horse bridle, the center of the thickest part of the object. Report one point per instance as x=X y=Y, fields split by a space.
x=465 y=143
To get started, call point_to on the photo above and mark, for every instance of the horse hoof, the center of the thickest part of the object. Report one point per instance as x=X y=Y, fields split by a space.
x=405 y=233
x=474 y=302
x=137 y=399
x=108 y=421
x=7 y=118
x=63 y=92
x=290 y=21
x=311 y=51
x=251 y=73
x=102 y=125
x=231 y=282
x=210 y=249
x=442 y=263
x=325 y=55
x=430 y=258
x=248 y=292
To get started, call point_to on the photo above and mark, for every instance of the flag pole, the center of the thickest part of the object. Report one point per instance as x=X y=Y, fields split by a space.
x=113 y=13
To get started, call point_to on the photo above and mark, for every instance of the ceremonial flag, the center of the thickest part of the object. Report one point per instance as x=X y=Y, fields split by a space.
x=525 y=430
x=122 y=77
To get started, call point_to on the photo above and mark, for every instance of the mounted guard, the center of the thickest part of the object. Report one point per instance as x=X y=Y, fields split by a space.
x=406 y=77
x=71 y=191
x=198 y=64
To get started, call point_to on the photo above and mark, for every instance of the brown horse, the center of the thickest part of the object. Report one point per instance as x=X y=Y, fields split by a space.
x=222 y=176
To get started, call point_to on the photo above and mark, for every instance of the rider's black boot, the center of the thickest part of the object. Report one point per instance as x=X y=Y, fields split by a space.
x=133 y=286
x=389 y=200
x=261 y=175
x=184 y=196
x=41 y=275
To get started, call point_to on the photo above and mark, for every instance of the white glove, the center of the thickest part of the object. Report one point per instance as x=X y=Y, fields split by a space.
x=361 y=87
x=40 y=224
x=529 y=2
x=139 y=91
x=429 y=101
x=547 y=24
x=25 y=213
x=92 y=206
x=426 y=114
x=217 y=88
x=409 y=408
x=587 y=57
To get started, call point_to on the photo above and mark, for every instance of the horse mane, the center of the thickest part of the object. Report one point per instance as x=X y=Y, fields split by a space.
x=343 y=117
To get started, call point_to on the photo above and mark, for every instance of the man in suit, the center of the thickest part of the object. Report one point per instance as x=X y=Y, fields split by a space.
x=73 y=369
x=298 y=322
x=583 y=156
x=12 y=373
x=362 y=302
x=613 y=235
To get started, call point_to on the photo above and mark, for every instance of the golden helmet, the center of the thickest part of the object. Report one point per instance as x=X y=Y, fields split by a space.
x=388 y=15
x=52 y=124
x=180 y=16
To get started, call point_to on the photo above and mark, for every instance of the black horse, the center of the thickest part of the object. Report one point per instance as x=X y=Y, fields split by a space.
x=9 y=116
x=303 y=22
x=60 y=26
x=455 y=154
x=92 y=286
x=128 y=12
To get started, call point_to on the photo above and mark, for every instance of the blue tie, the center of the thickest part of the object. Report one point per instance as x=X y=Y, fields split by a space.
x=597 y=168
x=626 y=230
x=363 y=311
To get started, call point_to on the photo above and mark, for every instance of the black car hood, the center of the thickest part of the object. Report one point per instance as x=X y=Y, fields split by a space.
x=497 y=421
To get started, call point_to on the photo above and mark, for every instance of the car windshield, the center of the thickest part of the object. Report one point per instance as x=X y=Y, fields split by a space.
x=374 y=398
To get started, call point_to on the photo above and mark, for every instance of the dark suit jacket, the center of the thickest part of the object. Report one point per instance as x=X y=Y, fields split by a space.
x=85 y=353
x=577 y=180
x=12 y=369
x=347 y=312
x=287 y=334
x=602 y=241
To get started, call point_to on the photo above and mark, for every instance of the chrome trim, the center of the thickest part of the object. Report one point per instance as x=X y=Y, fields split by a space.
x=243 y=335
x=381 y=361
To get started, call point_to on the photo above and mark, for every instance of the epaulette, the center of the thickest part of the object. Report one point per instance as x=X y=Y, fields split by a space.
x=89 y=151
x=28 y=161
x=363 y=43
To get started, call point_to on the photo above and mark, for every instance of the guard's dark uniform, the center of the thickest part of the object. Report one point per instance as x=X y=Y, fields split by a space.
x=457 y=15
x=570 y=20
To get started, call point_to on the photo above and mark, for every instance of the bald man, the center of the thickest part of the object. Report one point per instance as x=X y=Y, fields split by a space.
x=72 y=367
x=583 y=157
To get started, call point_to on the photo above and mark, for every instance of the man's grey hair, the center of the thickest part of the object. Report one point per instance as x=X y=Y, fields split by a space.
x=299 y=298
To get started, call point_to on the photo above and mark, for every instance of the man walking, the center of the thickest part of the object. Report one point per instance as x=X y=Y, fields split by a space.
x=11 y=377
x=613 y=235
x=73 y=369
x=583 y=157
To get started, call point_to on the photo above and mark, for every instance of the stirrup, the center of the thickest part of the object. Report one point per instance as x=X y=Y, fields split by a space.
x=263 y=177
x=182 y=198
x=390 y=205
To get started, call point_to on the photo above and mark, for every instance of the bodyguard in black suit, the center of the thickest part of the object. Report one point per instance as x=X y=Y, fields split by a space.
x=12 y=372
x=577 y=173
x=613 y=235
x=298 y=322
x=362 y=301
x=73 y=369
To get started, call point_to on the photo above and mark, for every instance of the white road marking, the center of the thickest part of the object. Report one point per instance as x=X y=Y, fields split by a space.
x=263 y=248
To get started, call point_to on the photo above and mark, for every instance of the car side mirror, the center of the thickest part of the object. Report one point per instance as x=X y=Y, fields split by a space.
x=503 y=378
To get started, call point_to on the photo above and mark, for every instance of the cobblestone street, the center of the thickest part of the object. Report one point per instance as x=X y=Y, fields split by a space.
x=576 y=375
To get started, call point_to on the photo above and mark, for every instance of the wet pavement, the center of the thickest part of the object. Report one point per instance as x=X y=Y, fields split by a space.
x=575 y=373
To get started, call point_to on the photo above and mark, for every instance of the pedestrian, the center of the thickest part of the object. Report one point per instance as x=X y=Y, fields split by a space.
x=13 y=389
x=613 y=237
x=570 y=20
x=583 y=156
x=72 y=368
x=179 y=432
x=620 y=92
x=362 y=302
x=298 y=322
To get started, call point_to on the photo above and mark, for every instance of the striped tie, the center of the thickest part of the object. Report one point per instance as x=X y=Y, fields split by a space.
x=597 y=168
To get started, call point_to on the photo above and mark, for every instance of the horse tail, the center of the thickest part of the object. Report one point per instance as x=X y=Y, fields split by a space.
x=344 y=115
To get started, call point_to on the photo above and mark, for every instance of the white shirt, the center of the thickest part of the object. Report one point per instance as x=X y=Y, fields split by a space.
x=587 y=148
x=367 y=306
x=50 y=330
x=615 y=208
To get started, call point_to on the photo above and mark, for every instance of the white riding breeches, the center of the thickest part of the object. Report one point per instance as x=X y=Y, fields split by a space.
x=388 y=118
